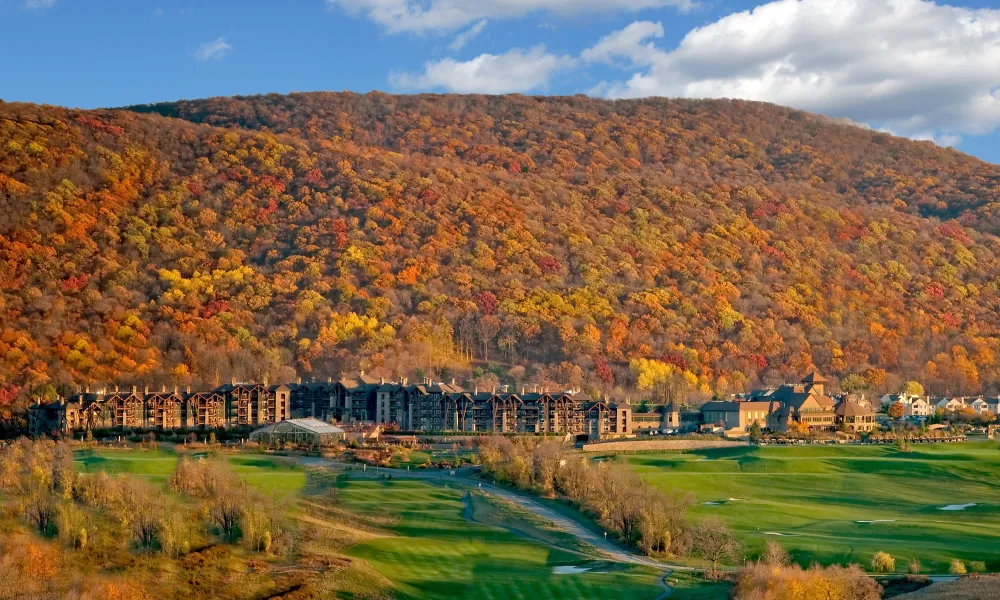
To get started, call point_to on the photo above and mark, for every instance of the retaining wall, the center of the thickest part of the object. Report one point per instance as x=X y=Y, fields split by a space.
x=641 y=446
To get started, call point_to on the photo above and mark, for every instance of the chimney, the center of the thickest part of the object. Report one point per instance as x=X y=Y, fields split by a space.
x=476 y=391
x=187 y=389
x=233 y=381
x=135 y=389
x=381 y=380
x=362 y=372
x=452 y=381
x=403 y=380
x=522 y=390
x=329 y=379
x=86 y=389
x=175 y=389
x=163 y=389
x=265 y=381
x=298 y=380
x=494 y=389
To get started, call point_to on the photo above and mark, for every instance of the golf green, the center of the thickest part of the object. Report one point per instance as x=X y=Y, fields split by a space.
x=841 y=504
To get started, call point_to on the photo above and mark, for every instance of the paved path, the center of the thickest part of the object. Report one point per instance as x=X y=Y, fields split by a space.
x=573 y=526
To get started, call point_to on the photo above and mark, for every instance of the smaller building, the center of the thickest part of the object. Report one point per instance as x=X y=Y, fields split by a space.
x=853 y=417
x=738 y=415
x=980 y=406
x=309 y=431
x=918 y=408
x=950 y=404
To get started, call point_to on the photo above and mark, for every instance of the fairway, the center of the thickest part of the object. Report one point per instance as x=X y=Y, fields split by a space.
x=432 y=550
x=439 y=554
x=815 y=500
x=276 y=476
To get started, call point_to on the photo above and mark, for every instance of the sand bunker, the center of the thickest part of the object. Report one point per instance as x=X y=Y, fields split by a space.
x=781 y=534
x=958 y=506
x=569 y=570
x=878 y=521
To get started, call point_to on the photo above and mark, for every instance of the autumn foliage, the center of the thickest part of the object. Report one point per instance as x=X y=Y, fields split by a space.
x=566 y=240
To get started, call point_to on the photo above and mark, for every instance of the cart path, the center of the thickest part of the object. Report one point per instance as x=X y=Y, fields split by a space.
x=573 y=526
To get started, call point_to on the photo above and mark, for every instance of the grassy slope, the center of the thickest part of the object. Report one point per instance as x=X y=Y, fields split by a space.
x=437 y=554
x=817 y=494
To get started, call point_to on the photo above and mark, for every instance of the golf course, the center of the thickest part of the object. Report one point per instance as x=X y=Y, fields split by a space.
x=841 y=504
x=414 y=539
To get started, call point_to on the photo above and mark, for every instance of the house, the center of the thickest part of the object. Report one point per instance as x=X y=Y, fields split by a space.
x=298 y=431
x=851 y=416
x=949 y=404
x=888 y=400
x=979 y=405
x=919 y=407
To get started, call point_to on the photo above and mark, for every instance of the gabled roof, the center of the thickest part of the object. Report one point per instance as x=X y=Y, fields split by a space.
x=814 y=377
x=850 y=408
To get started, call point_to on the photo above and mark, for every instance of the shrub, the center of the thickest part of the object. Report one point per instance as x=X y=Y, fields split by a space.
x=774 y=555
x=977 y=566
x=957 y=567
x=914 y=567
x=761 y=581
x=882 y=562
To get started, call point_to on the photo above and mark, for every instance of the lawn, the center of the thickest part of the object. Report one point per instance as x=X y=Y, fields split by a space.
x=843 y=503
x=439 y=554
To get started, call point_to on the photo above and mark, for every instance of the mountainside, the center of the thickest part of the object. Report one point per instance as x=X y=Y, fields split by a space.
x=558 y=241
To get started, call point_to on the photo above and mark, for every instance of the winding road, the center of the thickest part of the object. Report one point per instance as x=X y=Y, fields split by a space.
x=565 y=522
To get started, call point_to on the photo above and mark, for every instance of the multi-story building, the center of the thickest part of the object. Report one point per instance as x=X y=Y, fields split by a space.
x=439 y=406
x=228 y=406
x=792 y=405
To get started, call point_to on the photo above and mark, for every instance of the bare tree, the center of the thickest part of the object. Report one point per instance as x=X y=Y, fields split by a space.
x=715 y=542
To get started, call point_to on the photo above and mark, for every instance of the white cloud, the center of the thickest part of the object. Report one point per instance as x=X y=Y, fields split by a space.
x=213 y=50
x=517 y=70
x=912 y=67
x=38 y=4
x=449 y=15
x=627 y=43
x=468 y=35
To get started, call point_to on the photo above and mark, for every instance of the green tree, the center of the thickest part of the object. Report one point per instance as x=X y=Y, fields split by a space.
x=853 y=383
x=756 y=434
x=913 y=388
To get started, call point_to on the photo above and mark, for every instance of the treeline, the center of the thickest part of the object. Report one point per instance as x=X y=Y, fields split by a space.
x=628 y=507
x=74 y=507
x=235 y=511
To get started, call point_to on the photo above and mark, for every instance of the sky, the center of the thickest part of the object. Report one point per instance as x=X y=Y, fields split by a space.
x=917 y=68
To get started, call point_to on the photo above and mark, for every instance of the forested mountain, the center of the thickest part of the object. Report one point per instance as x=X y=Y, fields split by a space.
x=701 y=246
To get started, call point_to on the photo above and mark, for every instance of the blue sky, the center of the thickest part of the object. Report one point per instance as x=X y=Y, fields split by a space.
x=913 y=67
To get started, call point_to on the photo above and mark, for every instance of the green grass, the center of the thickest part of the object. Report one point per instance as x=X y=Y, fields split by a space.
x=438 y=554
x=816 y=495
x=279 y=477
x=435 y=551
x=688 y=586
